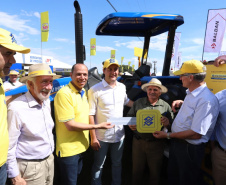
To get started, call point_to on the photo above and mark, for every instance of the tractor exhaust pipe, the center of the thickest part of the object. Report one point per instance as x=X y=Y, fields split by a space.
x=79 y=48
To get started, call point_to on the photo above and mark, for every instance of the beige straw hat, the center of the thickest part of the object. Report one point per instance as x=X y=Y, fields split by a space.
x=154 y=82
x=39 y=70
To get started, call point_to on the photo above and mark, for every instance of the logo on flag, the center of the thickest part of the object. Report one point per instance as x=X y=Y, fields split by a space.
x=45 y=27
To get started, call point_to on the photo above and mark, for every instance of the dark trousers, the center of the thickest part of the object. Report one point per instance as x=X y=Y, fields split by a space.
x=184 y=163
x=147 y=153
x=3 y=174
x=69 y=167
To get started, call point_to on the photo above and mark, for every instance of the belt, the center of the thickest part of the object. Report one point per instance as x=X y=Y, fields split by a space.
x=219 y=146
x=36 y=160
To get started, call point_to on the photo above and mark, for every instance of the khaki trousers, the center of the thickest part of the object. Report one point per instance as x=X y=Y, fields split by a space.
x=219 y=166
x=37 y=172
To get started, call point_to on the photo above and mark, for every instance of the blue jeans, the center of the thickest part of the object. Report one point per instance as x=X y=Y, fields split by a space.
x=3 y=174
x=70 y=167
x=116 y=151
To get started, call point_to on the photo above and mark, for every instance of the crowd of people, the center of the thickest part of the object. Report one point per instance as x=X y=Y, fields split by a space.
x=26 y=125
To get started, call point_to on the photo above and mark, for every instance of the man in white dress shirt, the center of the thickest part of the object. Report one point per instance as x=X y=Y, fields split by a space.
x=30 y=159
x=107 y=100
x=192 y=127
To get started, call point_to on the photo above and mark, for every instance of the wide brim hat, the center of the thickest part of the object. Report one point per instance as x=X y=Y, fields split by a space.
x=13 y=72
x=8 y=41
x=154 y=82
x=109 y=62
x=190 y=66
x=39 y=70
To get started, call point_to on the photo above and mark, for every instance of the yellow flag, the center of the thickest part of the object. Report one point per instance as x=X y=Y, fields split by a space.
x=133 y=67
x=138 y=52
x=112 y=53
x=129 y=64
x=44 y=26
x=122 y=60
x=92 y=46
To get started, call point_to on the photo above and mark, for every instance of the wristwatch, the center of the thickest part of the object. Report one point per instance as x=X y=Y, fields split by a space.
x=168 y=135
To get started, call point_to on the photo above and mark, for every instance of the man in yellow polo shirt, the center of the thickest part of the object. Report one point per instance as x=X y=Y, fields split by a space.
x=72 y=125
x=8 y=48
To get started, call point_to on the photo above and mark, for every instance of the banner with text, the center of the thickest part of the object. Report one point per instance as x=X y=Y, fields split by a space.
x=44 y=26
x=215 y=30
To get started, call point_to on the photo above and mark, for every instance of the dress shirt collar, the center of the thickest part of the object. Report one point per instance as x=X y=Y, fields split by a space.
x=158 y=103
x=72 y=87
x=197 y=91
x=105 y=84
x=32 y=102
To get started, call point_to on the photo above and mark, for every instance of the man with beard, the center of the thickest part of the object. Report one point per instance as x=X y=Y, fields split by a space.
x=8 y=48
x=72 y=125
x=30 y=159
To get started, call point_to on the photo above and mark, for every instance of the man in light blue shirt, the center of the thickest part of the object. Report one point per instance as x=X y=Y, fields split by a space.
x=192 y=127
x=219 y=150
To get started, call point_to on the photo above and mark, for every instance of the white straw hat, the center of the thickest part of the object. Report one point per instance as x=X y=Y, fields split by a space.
x=154 y=82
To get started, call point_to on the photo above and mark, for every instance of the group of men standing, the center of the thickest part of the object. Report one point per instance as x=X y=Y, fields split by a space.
x=27 y=138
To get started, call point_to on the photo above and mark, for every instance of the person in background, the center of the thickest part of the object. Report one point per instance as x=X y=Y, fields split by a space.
x=12 y=82
x=219 y=146
x=107 y=99
x=192 y=127
x=8 y=48
x=72 y=125
x=147 y=150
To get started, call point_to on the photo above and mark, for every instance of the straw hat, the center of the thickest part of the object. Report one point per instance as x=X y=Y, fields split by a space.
x=154 y=82
x=13 y=72
x=8 y=41
x=39 y=70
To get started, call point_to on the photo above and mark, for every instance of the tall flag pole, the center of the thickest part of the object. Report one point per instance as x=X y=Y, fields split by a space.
x=215 y=29
x=44 y=27
x=92 y=48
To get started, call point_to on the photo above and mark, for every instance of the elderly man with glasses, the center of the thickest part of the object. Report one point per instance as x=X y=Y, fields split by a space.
x=192 y=127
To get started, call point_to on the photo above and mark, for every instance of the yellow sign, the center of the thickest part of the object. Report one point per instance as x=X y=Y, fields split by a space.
x=44 y=26
x=138 y=52
x=92 y=46
x=216 y=78
x=148 y=121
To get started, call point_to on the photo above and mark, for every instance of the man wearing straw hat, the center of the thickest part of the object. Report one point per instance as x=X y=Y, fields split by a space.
x=8 y=48
x=30 y=159
x=12 y=83
x=192 y=126
x=147 y=150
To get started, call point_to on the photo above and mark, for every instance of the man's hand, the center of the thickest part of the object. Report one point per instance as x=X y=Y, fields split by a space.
x=176 y=104
x=133 y=127
x=160 y=134
x=105 y=125
x=18 y=181
x=165 y=121
x=95 y=145
x=220 y=60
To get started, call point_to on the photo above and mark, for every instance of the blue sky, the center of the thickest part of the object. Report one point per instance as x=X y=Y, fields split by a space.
x=22 y=18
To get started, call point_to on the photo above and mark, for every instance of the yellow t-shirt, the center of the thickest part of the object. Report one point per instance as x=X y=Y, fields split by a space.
x=4 y=137
x=69 y=105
